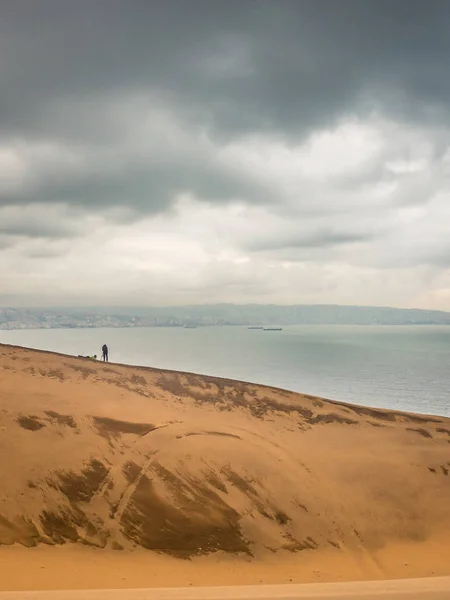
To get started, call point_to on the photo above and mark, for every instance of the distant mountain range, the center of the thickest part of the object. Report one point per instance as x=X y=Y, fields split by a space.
x=216 y=314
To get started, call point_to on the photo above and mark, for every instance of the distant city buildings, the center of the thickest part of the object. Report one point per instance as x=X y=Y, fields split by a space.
x=215 y=315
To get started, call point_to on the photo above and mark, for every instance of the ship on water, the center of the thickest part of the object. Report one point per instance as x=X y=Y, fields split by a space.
x=265 y=328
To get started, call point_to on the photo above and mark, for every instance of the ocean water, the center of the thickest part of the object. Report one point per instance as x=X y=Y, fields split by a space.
x=403 y=367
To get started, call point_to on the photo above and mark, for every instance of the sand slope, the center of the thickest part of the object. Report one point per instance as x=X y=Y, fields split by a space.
x=118 y=458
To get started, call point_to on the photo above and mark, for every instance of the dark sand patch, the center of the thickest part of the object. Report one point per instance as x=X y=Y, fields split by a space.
x=108 y=427
x=30 y=422
x=64 y=420
x=18 y=531
x=81 y=487
x=423 y=432
x=205 y=524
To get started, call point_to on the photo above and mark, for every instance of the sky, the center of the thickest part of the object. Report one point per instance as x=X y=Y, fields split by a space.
x=170 y=152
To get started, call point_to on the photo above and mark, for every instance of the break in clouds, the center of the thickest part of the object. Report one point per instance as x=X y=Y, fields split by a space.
x=189 y=152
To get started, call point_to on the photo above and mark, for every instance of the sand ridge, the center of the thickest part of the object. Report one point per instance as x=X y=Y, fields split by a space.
x=130 y=459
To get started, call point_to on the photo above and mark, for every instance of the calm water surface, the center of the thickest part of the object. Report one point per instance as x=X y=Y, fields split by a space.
x=405 y=368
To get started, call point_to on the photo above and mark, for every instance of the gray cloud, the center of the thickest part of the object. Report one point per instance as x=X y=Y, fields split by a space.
x=286 y=65
x=315 y=239
x=112 y=111
x=241 y=68
x=39 y=221
x=39 y=229
x=142 y=184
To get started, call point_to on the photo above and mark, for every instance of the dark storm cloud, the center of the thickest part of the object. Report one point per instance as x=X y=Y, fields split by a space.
x=232 y=68
x=237 y=66
x=41 y=223
x=143 y=185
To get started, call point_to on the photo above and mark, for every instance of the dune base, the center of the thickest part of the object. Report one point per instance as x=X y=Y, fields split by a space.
x=71 y=567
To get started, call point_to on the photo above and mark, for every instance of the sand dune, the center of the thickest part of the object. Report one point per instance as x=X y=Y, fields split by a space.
x=253 y=484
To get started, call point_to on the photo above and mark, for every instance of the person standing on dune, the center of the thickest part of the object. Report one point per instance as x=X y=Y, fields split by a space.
x=105 y=353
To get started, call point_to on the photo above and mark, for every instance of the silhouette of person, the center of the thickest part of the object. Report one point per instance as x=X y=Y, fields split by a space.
x=105 y=353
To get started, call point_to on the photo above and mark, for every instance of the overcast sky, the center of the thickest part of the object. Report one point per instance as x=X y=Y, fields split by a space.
x=173 y=152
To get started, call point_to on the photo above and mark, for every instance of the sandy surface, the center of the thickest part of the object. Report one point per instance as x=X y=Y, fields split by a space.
x=125 y=477
x=408 y=589
x=419 y=589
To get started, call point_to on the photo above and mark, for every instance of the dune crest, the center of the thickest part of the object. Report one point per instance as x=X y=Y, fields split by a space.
x=120 y=457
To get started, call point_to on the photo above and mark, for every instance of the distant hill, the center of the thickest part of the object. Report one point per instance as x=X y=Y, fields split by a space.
x=216 y=314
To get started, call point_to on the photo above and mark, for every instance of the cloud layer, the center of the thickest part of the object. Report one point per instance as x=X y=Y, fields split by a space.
x=260 y=151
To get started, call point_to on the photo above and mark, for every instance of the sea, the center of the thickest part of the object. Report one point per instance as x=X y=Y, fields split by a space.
x=398 y=367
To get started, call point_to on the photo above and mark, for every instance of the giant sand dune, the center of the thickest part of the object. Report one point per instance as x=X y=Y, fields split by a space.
x=117 y=476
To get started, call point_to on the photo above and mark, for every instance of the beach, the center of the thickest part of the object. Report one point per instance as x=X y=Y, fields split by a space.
x=127 y=477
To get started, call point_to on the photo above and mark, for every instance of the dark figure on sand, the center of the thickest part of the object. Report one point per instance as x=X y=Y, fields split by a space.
x=105 y=352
